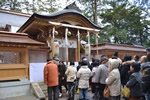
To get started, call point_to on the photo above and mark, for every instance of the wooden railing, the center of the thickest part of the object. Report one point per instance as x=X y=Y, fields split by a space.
x=13 y=71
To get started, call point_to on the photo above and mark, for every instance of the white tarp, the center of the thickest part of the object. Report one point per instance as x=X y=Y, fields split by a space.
x=36 y=72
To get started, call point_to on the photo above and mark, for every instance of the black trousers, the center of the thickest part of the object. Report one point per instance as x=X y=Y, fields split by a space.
x=99 y=94
x=60 y=87
x=53 y=93
x=71 y=93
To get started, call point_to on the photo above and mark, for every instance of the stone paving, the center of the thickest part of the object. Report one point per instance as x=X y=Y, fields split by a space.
x=31 y=97
x=25 y=97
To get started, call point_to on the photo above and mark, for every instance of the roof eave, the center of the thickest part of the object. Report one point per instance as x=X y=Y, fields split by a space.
x=54 y=16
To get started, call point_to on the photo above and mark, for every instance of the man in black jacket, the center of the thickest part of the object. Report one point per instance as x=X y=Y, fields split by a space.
x=146 y=78
x=62 y=77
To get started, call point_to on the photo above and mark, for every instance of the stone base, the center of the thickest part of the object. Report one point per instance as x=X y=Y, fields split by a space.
x=15 y=88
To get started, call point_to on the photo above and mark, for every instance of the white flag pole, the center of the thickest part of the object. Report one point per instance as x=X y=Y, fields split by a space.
x=53 y=32
x=97 y=45
x=66 y=42
x=88 y=33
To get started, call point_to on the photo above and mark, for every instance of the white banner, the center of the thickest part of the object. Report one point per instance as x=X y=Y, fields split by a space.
x=37 y=72
x=75 y=64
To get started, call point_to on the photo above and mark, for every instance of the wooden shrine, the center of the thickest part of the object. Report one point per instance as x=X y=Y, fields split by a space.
x=67 y=27
x=14 y=55
x=108 y=49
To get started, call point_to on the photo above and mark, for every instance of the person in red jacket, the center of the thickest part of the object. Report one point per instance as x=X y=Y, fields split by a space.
x=51 y=79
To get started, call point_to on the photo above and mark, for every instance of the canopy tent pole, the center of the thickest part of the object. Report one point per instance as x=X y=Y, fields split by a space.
x=78 y=32
x=66 y=43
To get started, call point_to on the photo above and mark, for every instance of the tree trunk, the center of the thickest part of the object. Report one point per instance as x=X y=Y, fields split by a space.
x=141 y=40
x=95 y=12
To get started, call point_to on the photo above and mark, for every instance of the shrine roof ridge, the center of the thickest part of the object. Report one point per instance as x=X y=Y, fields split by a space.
x=63 y=12
x=56 y=15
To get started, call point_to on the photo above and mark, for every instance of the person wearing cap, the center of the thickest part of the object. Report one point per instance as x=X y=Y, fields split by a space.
x=86 y=60
x=51 y=79
x=115 y=56
x=56 y=60
x=148 y=50
x=146 y=78
x=125 y=69
x=136 y=58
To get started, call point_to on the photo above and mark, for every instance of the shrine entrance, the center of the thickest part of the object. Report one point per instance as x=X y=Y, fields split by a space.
x=63 y=29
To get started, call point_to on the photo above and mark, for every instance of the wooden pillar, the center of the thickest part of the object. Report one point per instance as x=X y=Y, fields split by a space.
x=26 y=62
x=76 y=54
x=88 y=44
x=78 y=45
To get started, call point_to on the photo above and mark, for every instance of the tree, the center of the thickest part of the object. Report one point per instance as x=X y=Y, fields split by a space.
x=91 y=8
x=125 y=23
x=14 y=5
x=36 y=6
x=40 y=6
x=142 y=2
x=114 y=18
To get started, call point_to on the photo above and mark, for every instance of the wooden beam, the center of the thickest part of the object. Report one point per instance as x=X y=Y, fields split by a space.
x=73 y=26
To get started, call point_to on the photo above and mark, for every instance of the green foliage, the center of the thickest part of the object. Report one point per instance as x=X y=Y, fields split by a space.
x=10 y=5
x=37 y=6
x=41 y=6
x=125 y=23
x=89 y=8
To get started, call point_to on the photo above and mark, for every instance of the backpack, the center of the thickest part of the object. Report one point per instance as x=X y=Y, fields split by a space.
x=146 y=71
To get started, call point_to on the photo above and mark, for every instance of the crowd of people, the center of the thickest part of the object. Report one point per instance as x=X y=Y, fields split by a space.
x=114 y=73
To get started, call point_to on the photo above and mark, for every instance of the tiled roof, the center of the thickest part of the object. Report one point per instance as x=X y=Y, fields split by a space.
x=17 y=38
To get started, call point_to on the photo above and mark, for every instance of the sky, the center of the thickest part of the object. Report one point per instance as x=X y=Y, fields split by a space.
x=62 y=3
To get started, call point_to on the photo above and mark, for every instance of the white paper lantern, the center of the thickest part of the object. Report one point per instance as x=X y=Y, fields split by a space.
x=87 y=49
x=56 y=49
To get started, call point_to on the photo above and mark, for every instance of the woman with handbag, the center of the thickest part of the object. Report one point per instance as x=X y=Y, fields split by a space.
x=71 y=73
x=135 y=82
x=113 y=79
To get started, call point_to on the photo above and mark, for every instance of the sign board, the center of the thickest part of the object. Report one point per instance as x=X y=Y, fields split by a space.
x=71 y=43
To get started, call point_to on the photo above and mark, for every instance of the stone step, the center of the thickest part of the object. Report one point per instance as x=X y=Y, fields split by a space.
x=37 y=91
x=41 y=83
x=43 y=87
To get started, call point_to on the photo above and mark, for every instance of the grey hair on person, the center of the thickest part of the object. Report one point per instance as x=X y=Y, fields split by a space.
x=144 y=58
